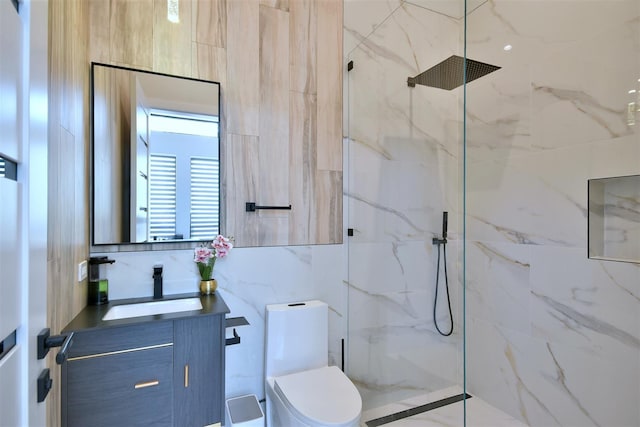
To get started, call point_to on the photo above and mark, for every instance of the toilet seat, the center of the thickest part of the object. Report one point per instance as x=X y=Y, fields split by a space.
x=322 y=396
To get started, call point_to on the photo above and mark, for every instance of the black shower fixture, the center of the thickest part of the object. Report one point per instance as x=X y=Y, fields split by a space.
x=449 y=74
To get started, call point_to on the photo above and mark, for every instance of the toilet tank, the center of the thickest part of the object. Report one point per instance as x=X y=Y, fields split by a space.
x=297 y=337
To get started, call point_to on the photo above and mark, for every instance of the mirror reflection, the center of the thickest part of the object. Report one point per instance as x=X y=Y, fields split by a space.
x=155 y=157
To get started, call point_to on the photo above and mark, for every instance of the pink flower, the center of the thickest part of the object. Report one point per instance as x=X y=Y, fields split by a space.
x=205 y=257
x=222 y=246
x=203 y=254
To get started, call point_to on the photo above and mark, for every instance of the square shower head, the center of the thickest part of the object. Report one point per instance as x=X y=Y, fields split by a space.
x=449 y=74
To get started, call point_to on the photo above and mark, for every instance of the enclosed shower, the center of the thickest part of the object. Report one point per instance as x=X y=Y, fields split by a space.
x=505 y=115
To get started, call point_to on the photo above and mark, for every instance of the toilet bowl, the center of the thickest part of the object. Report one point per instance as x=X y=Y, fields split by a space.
x=301 y=389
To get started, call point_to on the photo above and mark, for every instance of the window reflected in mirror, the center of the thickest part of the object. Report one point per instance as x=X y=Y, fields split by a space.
x=156 y=164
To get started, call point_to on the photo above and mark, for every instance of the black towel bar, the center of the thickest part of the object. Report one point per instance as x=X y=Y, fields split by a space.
x=252 y=207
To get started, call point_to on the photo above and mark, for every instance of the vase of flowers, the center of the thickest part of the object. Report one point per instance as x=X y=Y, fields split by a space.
x=205 y=257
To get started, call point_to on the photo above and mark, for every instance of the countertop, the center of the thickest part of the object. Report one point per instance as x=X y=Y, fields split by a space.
x=90 y=318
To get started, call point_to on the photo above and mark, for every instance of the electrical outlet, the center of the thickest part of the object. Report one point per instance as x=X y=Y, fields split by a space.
x=82 y=271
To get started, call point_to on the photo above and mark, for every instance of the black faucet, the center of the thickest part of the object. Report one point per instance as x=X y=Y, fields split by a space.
x=157 y=281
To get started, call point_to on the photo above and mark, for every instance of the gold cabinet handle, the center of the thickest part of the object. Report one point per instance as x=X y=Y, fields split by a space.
x=186 y=376
x=146 y=384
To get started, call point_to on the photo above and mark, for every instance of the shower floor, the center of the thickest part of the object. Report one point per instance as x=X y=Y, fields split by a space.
x=479 y=413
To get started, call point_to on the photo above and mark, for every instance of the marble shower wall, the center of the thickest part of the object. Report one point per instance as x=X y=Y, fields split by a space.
x=402 y=174
x=553 y=337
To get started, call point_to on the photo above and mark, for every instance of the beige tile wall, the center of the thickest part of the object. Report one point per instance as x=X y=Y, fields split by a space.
x=281 y=100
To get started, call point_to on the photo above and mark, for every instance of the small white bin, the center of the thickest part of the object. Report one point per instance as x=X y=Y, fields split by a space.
x=244 y=411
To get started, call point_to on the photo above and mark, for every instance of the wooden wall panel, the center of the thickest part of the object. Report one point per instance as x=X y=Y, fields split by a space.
x=210 y=22
x=274 y=107
x=303 y=165
x=277 y=4
x=329 y=86
x=172 y=40
x=243 y=62
x=100 y=34
x=131 y=32
x=68 y=214
x=279 y=63
x=241 y=161
x=303 y=40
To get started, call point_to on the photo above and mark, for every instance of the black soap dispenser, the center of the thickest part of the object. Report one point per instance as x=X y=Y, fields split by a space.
x=98 y=292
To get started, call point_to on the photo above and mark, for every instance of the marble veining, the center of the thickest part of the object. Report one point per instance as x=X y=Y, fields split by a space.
x=575 y=320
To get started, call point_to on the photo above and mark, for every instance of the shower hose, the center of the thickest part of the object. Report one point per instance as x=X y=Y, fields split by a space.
x=446 y=282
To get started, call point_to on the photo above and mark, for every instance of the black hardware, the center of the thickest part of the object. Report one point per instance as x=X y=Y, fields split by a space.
x=157 y=281
x=350 y=232
x=8 y=169
x=296 y=304
x=342 y=344
x=47 y=341
x=7 y=344
x=44 y=385
x=445 y=224
x=350 y=66
x=96 y=260
x=411 y=82
x=252 y=207
x=233 y=341
x=232 y=322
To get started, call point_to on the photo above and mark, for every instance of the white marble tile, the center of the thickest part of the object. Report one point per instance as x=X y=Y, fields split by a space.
x=585 y=303
x=498 y=284
x=361 y=17
x=522 y=200
x=543 y=383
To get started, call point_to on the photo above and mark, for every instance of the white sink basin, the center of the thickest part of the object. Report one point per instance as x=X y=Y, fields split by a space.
x=152 y=307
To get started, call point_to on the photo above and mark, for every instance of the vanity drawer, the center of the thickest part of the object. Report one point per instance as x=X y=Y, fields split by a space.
x=121 y=338
x=133 y=388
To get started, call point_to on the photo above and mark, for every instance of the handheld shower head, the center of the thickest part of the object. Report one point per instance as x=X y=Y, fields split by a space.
x=445 y=224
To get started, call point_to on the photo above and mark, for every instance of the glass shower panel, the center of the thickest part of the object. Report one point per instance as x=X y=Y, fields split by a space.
x=402 y=172
x=553 y=337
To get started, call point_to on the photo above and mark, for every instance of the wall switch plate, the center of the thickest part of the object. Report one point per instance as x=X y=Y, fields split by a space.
x=82 y=271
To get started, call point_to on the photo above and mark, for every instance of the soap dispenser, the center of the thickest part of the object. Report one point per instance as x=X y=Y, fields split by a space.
x=98 y=292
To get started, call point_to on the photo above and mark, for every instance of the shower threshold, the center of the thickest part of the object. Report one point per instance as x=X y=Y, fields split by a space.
x=416 y=410
x=440 y=408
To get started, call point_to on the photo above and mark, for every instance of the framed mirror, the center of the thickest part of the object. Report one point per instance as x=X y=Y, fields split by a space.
x=155 y=158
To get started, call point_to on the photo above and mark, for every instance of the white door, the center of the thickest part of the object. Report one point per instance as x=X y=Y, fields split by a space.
x=23 y=217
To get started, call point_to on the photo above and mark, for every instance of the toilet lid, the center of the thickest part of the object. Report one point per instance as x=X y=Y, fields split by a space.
x=324 y=396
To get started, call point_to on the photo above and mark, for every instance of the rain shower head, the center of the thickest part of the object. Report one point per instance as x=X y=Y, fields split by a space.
x=449 y=74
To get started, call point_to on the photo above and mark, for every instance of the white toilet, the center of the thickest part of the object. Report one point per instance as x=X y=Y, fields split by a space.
x=301 y=389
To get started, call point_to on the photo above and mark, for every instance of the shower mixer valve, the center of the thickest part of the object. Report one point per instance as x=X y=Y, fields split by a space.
x=445 y=226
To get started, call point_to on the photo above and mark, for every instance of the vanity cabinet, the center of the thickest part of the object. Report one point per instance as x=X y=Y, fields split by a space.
x=160 y=373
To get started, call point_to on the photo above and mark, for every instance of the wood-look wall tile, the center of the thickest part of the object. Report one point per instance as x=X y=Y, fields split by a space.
x=242 y=182
x=100 y=34
x=210 y=22
x=243 y=81
x=274 y=107
x=328 y=207
x=302 y=42
x=273 y=229
x=277 y=4
x=171 y=40
x=329 y=85
x=302 y=166
x=209 y=63
x=131 y=32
